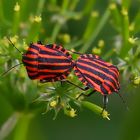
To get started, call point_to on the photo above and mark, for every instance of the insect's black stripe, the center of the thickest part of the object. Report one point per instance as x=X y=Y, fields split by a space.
x=31 y=52
x=33 y=76
x=49 y=46
x=30 y=59
x=50 y=53
x=49 y=73
x=98 y=67
x=104 y=91
x=53 y=60
x=30 y=65
x=99 y=74
x=111 y=88
x=50 y=67
x=96 y=81
x=34 y=47
x=102 y=62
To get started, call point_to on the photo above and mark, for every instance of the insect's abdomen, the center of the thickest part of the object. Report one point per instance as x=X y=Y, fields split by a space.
x=98 y=74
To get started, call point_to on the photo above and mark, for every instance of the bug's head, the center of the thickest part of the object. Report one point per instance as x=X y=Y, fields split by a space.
x=30 y=61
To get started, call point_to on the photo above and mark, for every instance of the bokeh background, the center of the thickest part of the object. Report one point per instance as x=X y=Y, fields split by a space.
x=109 y=28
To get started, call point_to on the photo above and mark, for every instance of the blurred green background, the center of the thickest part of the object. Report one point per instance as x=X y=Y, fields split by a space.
x=108 y=28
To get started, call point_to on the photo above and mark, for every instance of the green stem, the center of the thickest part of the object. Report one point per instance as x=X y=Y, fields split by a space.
x=40 y=7
x=102 y=22
x=89 y=6
x=58 y=25
x=22 y=127
x=95 y=108
x=125 y=34
x=2 y=18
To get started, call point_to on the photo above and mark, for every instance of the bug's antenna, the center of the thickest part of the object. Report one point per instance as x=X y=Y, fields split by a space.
x=124 y=102
x=13 y=44
x=3 y=74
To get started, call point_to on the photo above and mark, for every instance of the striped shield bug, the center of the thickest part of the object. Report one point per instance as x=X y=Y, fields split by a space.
x=46 y=63
x=95 y=73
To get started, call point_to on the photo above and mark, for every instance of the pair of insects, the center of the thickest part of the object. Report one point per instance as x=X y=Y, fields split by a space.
x=50 y=63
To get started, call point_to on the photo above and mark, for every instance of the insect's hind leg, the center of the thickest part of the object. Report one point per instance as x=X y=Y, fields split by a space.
x=86 y=95
x=105 y=101
x=84 y=89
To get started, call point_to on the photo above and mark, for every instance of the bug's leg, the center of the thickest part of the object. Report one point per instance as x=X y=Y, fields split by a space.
x=43 y=81
x=84 y=89
x=105 y=101
x=87 y=95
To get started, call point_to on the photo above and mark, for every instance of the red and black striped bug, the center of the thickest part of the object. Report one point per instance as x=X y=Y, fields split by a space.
x=95 y=73
x=46 y=63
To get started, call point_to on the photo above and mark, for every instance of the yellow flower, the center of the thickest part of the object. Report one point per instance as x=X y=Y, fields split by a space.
x=72 y=113
x=17 y=7
x=112 y=6
x=66 y=38
x=101 y=43
x=124 y=12
x=95 y=14
x=105 y=114
x=132 y=40
x=96 y=51
x=136 y=80
x=37 y=19
x=53 y=103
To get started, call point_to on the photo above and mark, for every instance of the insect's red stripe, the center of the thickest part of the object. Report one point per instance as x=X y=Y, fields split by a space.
x=54 y=71
x=30 y=62
x=96 y=86
x=49 y=56
x=33 y=50
x=54 y=64
x=31 y=56
x=47 y=49
x=31 y=68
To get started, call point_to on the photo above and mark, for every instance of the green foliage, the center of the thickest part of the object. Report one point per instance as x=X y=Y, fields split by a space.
x=109 y=29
